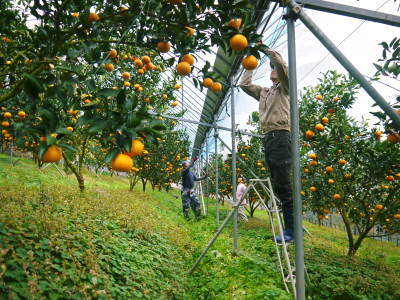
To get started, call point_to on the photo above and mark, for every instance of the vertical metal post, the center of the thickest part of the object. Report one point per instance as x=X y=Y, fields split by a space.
x=216 y=176
x=233 y=128
x=207 y=181
x=294 y=116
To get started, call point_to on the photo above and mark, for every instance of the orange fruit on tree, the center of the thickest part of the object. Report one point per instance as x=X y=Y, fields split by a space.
x=325 y=120
x=7 y=115
x=146 y=60
x=347 y=176
x=319 y=97
x=393 y=138
x=69 y=128
x=312 y=156
x=108 y=67
x=163 y=47
x=190 y=31
x=235 y=23
x=329 y=169
x=342 y=162
x=216 y=87
x=188 y=58
x=389 y=178
x=127 y=84
x=21 y=114
x=250 y=62
x=122 y=163
x=5 y=124
x=397 y=216
x=397 y=175
x=208 y=82
x=137 y=148
x=378 y=134
x=331 y=181
x=306 y=170
x=112 y=53
x=93 y=17
x=319 y=127
x=313 y=189
x=126 y=75
x=331 y=110
x=52 y=154
x=378 y=206
x=238 y=42
x=138 y=63
x=177 y=86
x=336 y=99
x=309 y=134
x=313 y=163
x=174 y=103
x=183 y=68
x=43 y=139
x=336 y=196
x=140 y=71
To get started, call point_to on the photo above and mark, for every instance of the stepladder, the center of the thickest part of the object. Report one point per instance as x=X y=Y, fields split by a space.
x=271 y=205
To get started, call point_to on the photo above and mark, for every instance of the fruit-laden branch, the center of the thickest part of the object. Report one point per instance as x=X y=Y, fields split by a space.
x=18 y=86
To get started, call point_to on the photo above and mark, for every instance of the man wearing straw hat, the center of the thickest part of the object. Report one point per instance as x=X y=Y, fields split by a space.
x=274 y=110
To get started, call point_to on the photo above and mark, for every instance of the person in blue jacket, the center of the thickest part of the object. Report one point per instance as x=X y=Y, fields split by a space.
x=189 y=198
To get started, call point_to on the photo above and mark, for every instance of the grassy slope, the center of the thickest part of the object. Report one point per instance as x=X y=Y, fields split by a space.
x=114 y=244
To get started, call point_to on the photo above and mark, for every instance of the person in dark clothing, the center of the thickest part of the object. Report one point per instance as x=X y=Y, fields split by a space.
x=189 y=198
x=274 y=109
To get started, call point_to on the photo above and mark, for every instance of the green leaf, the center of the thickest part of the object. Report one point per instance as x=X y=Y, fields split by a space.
x=98 y=125
x=67 y=147
x=108 y=92
x=63 y=131
x=157 y=125
x=133 y=120
x=42 y=149
x=121 y=99
x=110 y=156
x=91 y=84
x=32 y=86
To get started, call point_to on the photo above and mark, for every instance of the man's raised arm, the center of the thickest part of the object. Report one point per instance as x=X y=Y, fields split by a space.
x=251 y=89
x=281 y=67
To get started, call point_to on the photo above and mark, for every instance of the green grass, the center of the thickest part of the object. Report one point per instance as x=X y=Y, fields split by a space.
x=111 y=243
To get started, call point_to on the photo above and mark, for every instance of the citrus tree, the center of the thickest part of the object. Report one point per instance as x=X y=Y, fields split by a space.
x=162 y=163
x=350 y=169
x=76 y=70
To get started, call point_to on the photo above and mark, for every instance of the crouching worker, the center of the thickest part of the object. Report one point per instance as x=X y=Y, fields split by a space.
x=189 y=198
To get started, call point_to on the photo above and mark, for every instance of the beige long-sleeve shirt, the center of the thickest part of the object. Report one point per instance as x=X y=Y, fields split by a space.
x=274 y=106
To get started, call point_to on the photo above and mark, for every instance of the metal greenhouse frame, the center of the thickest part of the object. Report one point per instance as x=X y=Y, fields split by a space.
x=226 y=66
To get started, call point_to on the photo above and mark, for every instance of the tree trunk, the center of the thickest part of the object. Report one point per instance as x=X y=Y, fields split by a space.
x=78 y=175
x=144 y=182
x=350 y=236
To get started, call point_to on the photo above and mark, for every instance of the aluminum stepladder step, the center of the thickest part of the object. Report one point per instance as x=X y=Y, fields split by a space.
x=286 y=269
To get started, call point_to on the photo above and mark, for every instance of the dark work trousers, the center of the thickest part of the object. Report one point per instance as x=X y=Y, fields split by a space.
x=279 y=161
x=189 y=199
